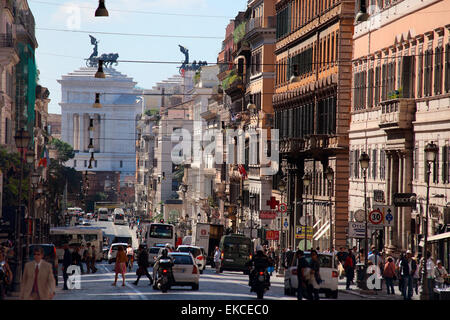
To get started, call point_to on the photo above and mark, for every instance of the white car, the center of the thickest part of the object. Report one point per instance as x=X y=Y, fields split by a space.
x=197 y=253
x=185 y=270
x=153 y=253
x=113 y=251
x=328 y=273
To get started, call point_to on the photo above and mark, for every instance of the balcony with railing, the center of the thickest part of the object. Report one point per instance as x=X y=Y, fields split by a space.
x=397 y=113
x=260 y=23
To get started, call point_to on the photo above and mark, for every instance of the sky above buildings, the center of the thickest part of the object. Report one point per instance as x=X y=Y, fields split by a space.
x=61 y=52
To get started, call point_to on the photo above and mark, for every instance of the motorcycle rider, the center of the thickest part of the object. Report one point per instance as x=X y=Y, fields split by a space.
x=164 y=255
x=259 y=262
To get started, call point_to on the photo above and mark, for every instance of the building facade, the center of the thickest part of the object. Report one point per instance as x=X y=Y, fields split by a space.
x=401 y=86
x=312 y=111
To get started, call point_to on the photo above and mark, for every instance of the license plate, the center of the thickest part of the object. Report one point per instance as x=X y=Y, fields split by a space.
x=231 y=260
x=261 y=278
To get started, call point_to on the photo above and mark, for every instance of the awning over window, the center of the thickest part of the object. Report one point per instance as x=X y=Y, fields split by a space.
x=322 y=231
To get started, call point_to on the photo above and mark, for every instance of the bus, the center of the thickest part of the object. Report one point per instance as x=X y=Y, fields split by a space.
x=158 y=234
x=102 y=214
x=119 y=216
x=236 y=251
x=77 y=236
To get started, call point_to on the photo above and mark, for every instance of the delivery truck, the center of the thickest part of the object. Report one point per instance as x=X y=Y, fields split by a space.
x=207 y=236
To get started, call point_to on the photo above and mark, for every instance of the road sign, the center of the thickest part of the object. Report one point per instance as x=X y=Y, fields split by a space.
x=360 y=215
x=405 y=199
x=376 y=217
x=303 y=221
x=356 y=230
x=388 y=213
x=286 y=223
x=300 y=232
x=282 y=208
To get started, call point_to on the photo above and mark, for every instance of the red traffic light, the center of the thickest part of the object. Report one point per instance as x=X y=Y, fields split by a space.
x=161 y=220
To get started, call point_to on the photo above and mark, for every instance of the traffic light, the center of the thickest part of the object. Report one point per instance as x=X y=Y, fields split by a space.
x=161 y=220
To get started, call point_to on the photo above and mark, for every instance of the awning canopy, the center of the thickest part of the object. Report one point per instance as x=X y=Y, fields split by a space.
x=322 y=231
x=436 y=237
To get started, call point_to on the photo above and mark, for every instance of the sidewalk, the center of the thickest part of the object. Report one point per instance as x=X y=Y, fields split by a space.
x=374 y=294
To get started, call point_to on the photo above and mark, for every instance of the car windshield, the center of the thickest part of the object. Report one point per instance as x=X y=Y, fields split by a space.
x=195 y=251
x=182 y=259
x=154 y=250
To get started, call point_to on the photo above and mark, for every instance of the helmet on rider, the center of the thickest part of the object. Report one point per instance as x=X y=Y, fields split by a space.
x=164 y=252
x=168 y=247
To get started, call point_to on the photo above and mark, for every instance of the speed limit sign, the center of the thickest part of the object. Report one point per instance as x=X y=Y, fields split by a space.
x=376 y=217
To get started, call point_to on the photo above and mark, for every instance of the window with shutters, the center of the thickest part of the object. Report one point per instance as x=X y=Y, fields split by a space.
x=420 y=75
x=326 y=114
x=445 y=165
x=438 y=68
x=370 y=89
x=382 y=165
x=283 y=22
x=428 y=73
x=407 y=77
x=363 y=90
x=436 y=169
x=416 y=163
x=391 y=79
x=384 y=82
x=370 y=164
x=351 y=163
x=374 y=163
x=447 y=68
x=356 y=161
x=377 y=85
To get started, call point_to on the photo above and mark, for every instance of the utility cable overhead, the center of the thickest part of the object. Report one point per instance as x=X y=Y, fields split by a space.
x=130 y=34
x=136 y=11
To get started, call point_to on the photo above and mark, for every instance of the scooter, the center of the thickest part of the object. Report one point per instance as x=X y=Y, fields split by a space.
x=260 y=283
x=164 y=280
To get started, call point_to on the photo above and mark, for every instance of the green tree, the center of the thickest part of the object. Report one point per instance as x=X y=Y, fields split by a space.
x=64 y=150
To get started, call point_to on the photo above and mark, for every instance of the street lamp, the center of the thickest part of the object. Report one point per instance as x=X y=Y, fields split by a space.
x=253 y=198
x=330 y=176
x=22 y=139
x=431 y=150
x=306 y=182
x=364 y=161
x=101 y=10
x=30 y=156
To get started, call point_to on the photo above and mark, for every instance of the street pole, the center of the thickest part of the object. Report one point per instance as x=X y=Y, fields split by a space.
x=366 y=252
x=425 y=293
x=18 y=243
x=331 y=215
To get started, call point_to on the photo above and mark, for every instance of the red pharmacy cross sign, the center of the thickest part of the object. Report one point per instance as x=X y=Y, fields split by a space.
x=272 y=203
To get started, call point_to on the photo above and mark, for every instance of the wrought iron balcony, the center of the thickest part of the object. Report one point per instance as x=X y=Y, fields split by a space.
x=397 y=114
x=260 y=23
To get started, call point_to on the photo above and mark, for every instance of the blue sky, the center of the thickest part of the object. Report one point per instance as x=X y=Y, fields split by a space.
x=59 y=53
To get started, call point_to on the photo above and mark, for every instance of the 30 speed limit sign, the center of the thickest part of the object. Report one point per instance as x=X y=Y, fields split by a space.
x=376 y=217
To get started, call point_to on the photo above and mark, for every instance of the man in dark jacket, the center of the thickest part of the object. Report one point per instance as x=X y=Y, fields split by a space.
x=142 y=265
x=76 y=258
x=259 y=262
x=407 y=269
x=349 y=267
x=67 y=261
x=302 y=264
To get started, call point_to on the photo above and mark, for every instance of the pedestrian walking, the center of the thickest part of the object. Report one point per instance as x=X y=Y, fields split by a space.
x=76 y=258
x=93 y=260
x=302 y=275
x=377 y=261
x=440 y=274
x=416 y=276
x=88 y=257
x=341 y=256
x=38 y=282
x=277 y=258
x=349 y=267
x=217 y=256
x=389 y=275
x=120 y=266
x=407 y=269
x=314 y=280
x=142 y=265
x=67 y=262
x=6 y=276
x=130 y=254
x=430 y=274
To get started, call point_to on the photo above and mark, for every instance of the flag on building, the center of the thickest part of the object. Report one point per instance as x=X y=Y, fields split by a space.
x=242 y=171
x=44 y=159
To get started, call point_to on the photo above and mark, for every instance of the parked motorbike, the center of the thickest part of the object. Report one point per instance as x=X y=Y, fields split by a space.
x=165 y=276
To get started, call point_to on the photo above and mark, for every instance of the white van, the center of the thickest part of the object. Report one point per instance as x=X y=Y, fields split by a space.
x=328 y=273
x=119 y=216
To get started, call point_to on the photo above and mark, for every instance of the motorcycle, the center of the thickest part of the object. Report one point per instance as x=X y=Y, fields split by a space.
x=164 y=280
x=260 y=283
